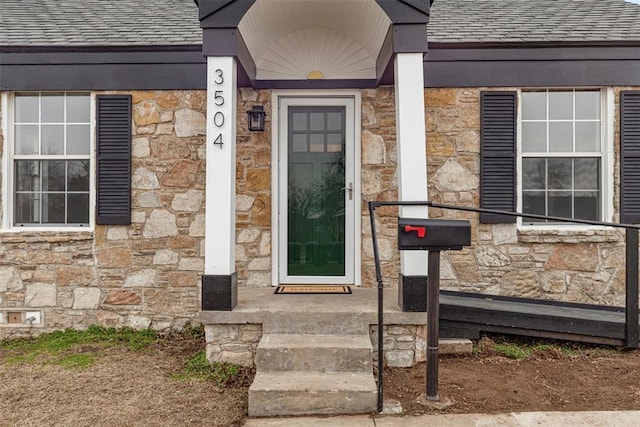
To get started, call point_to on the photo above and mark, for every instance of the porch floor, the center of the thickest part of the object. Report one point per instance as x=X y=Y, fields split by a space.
x=255 y=305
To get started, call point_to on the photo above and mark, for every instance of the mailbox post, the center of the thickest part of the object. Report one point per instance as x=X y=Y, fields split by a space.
x=433 y=235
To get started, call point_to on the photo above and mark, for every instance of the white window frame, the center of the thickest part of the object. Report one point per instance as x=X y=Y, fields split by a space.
x=8 y=119
x=607 y=112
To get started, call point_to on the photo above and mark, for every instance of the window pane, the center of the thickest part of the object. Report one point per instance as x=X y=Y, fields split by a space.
x=316 y=121
x=78 y=209
x=53 y=208
x=560 y=105
x=334 y=121
x=533 y=202
x=587 y=205
x=587 y=137
x=299 y=121
x=27 y=175
x=534 y=105
x=78 y=175
x=27 y=208
x=299 y=144
x=53 y=139
x=559 y=174
x=53 y=176
x=586 y=174
x=561 y=137
x=316 y=143
x=334 y=142
x=560 y=204
x=78 y=108
x=27 y=109
x=52 y=108
x=78 y=139
x=534 y=174
x=26 y=139
x=588 y=105
x=534 y=137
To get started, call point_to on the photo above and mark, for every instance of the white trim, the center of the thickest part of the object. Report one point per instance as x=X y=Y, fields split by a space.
x=411 y=148
x=6 y=159
x=607 y=155
x=6 y=225
x=316 y=97
x=220 y=185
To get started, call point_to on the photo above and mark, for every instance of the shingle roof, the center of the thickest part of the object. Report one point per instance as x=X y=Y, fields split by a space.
x=175 y=22
x=533 y=20
x=99 y=22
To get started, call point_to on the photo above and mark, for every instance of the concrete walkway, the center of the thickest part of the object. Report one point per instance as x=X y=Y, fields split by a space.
x=524 y=419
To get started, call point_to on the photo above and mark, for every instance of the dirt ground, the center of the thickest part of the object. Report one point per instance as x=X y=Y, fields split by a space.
x=140 y=388
x=576 y=378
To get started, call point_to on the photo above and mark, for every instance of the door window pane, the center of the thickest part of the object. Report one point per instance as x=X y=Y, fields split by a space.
x=316 y=121
x=316 y=143
x=299 y=121
x=299 y=143
x=334 y=121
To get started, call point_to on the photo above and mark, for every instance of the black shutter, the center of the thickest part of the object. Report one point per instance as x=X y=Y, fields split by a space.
x=113 y=130
x=630 y=156
x=498 y=155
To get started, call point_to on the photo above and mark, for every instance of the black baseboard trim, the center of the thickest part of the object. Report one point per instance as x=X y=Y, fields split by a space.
x=412 y=293
x=219 y=292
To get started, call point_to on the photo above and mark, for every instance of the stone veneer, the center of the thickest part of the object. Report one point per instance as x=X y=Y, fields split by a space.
x=578 y=266
x=148 y=273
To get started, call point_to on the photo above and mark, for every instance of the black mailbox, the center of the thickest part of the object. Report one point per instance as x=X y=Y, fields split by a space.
x=433 y=234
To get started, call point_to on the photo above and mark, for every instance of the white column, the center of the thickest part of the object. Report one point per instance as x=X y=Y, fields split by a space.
x=411 y=146
x=220 y=225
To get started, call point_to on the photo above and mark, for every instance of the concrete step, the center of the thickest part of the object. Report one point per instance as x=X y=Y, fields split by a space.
x=307 y=393
x=322 y=353
x=315 y=323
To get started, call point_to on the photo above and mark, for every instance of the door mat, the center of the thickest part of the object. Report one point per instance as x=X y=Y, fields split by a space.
x=313 y=289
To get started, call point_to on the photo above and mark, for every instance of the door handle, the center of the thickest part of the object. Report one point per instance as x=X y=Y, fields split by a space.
x=349 y=188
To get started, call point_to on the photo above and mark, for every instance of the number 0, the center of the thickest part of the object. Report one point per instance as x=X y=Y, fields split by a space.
x=218 y=119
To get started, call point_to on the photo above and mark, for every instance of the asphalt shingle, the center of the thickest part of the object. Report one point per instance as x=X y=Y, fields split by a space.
x=175 y=22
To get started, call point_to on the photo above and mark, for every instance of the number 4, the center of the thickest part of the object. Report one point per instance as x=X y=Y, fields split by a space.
x=218 y=140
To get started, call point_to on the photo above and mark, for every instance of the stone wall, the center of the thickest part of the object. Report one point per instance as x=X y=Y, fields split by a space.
x=141 y=275
x=578 y=266
x=233 y=343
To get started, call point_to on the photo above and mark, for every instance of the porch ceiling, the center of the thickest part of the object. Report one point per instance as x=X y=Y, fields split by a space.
x=289 y=39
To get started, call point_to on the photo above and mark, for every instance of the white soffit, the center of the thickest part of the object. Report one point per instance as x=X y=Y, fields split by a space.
x=289 y=39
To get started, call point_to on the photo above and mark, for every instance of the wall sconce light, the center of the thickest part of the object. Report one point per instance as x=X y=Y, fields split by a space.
x=256 y=118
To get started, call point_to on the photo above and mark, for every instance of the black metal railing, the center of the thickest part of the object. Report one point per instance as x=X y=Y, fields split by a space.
x=632 y=326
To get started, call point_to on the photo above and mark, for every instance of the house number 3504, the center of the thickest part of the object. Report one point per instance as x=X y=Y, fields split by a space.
x=218 y=100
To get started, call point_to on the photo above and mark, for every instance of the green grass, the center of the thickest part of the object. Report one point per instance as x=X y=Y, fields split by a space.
x=61 y=347
x=522 y=348
x=197 y=367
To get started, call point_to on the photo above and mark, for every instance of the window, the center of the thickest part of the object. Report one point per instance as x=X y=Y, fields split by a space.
x=561 y=154
x=51 y=159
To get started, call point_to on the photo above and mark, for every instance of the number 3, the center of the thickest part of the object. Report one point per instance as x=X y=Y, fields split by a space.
x=220 y=78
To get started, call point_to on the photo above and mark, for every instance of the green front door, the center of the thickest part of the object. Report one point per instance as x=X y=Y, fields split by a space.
x=319 y=195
